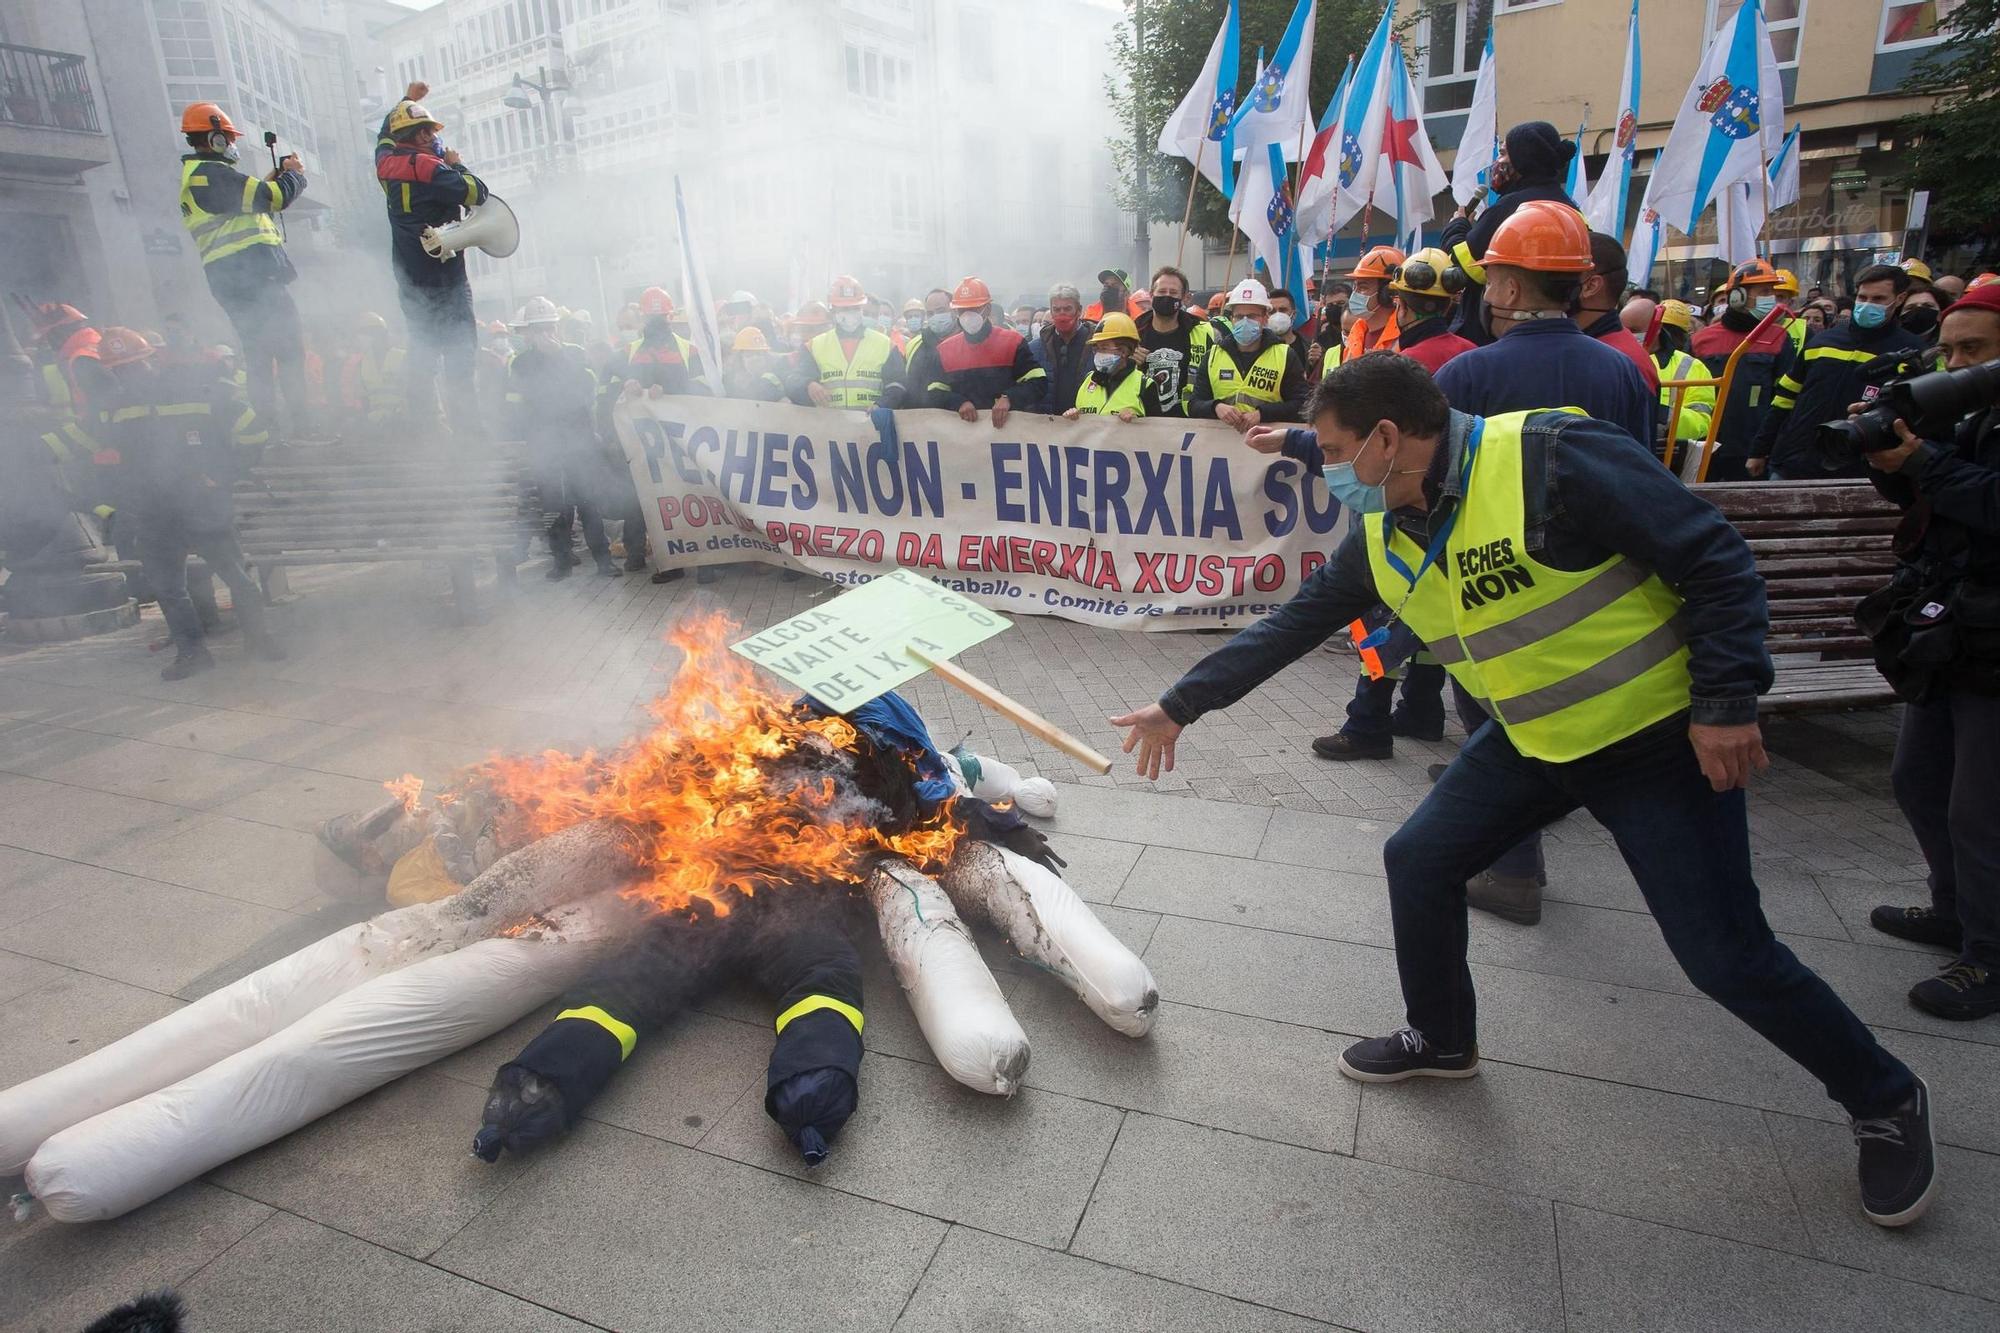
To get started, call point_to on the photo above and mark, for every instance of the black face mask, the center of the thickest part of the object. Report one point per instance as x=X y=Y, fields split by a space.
x=1166 y=307
x=1920 y=319
x=1112 y=299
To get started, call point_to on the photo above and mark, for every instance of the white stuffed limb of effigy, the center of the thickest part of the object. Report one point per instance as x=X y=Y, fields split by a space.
x=1051 y=926
x=991 y=780
x=568 y=865
x=382 y=1029
x=964 y=1017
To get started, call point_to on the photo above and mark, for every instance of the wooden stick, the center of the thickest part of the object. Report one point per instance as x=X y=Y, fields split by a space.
x=1187 y=213
x=1229 y=269
x=1013 y=711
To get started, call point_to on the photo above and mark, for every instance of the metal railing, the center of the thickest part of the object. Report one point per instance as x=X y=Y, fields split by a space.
x=46 y=88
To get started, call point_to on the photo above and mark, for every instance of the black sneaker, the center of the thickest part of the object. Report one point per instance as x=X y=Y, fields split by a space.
x=1402 y=1055
x=668 y=575
x=1400 y=725
x=186 y=663
x=1962 y=992
x=1921 y=925
x=1341 y=747
x=1436 y=771
x=1898 y=1161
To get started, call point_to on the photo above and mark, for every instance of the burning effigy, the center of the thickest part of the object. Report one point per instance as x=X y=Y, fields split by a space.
x=740 y=837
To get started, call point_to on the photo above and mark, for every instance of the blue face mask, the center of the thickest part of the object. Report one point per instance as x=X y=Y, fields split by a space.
x=939 y=323
x=1245 y=331
x=1359 y=305
x=1351 y=491
x=1106 y=362
x=1868 y=315
x=1764 y=305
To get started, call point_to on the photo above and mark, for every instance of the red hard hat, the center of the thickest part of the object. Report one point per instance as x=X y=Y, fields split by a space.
x=120 y=346
x=970 y=294
x=1381 y=262
x=204 y=117
x=655 y=301
x=1542 y=236
x=844 y=293
x=1754 y=273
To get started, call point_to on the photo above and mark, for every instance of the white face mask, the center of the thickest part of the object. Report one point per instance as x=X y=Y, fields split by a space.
x=847 y=321
x=971 y=321
x=1280 y=323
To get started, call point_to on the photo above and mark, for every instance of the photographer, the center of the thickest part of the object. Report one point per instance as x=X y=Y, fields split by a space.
x=1832 y=371
x=1937 y=633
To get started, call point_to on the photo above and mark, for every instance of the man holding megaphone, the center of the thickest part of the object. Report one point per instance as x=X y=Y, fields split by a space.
x=425 y=187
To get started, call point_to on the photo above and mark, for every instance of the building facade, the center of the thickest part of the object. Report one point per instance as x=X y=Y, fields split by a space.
x=1842 y=62
x=905 y=141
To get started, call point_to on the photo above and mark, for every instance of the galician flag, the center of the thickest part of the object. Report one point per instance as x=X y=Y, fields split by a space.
x=1278 y=110
x=1740 y=210
x=1361 y=121
x=1730 y=123
x=1784 y=172
x=1203 y=127
x=1479 y=145
x=1606 y=209
x=1577 y=186
x=1319 y=172
x=1262 y=210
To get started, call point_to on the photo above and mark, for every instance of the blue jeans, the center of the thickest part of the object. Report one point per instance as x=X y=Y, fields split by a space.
x=1523 y=859
x=1687 y=846
x=1369 y=714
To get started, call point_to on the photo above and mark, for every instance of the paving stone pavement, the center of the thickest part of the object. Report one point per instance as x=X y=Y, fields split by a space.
x=1631 y=1158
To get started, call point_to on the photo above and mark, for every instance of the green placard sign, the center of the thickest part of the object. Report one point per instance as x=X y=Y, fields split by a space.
x=856 y=646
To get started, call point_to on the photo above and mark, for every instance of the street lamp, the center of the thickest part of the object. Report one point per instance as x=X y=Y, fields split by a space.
x=544 y=87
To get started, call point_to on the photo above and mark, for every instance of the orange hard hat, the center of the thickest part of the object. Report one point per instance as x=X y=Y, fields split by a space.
x=1542 y=236
x=1983 y=280
x=844 y=293
x=120 y=346
x=52 y=315
x=1381 y=262
x=205 y=118
x=1755 y=273
x=655 y=301
x=1215 y=303
x=970 y=294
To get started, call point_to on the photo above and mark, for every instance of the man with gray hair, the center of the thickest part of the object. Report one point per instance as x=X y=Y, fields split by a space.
x=1064 y=346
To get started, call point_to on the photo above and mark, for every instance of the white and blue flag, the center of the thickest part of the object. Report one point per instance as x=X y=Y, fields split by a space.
x=1731 y=122
x=700 y=304
x=1277 y=109
x=1361 y=121
x=1479 y=145
x=1319 y=171
x=1577 y=184
x=1608 y=201
x=1203 y=127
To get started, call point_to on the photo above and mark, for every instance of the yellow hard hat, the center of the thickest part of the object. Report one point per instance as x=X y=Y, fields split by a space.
x=1917 y=269
x=1116 y=325
x=1422 y=274
x=1679 y=314
x=1788 y=282
x=750 y=339
x=409 y=115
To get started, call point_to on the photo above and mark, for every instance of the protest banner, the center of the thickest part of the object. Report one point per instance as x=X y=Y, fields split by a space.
x=1159 y=524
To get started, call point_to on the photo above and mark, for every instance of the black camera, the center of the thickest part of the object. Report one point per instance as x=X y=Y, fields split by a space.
x=1929 y=403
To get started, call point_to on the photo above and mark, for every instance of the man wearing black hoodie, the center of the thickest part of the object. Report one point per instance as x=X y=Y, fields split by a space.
x=1533 y=160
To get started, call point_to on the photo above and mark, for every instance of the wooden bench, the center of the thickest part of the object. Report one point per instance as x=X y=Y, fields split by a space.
x=360 y=505
x=1821 y=546
x=343 y=505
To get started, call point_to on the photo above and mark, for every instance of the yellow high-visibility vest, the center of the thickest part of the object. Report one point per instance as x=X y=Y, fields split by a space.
x=855 y=382
x=1568 y=662
x=219 y=235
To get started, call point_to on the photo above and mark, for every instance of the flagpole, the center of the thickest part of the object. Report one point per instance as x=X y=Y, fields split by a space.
x=1187 y=213
x=1229 y=269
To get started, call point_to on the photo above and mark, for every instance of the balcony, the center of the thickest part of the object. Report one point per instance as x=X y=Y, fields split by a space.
x=49 y=123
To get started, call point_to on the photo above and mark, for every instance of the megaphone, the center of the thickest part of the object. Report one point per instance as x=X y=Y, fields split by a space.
x=490 y=226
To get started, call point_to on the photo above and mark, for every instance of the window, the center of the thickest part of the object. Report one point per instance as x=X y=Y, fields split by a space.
x=749 y=88
x=904 y=213
x=1510 y=6
x=1907 y=23
x=1454 y=38
x=1785 y=19
x=513 y=34
x=877 y=78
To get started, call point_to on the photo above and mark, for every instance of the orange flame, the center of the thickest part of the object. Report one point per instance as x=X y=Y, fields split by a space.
x=698 y=791
x=409 y=789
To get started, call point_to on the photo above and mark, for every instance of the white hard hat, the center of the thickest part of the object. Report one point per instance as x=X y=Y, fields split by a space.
x=741 y=297
x=538 y=310
x=1249 y=292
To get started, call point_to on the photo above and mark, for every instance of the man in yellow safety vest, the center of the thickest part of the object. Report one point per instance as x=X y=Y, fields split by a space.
x=1613 y=624
x=844 y=366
